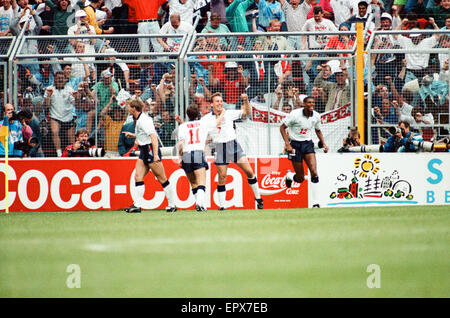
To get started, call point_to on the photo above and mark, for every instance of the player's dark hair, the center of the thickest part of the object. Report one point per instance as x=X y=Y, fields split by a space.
x=317 y=9
x=192 y=112
x=308 y=97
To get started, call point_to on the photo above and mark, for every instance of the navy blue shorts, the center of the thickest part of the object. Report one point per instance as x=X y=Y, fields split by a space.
x=193 y=160
x=146 y=153
x=301 y=148
x=228 y=151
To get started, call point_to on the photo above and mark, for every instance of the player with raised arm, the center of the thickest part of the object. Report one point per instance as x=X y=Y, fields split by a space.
x=299 y=145
x=149 y=157
x=227 y=148
x=192 y=137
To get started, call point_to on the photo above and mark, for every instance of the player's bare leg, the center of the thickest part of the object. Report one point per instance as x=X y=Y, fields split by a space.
x=141 y=171
x=251 y=178
x=221 y=192
x=158 y=170
x=298 y=176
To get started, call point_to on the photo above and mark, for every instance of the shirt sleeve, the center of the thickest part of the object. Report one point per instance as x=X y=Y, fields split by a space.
x=148 y=126
x=288 y=120
x=318 y=125
x=233 y=114
x=181 y=132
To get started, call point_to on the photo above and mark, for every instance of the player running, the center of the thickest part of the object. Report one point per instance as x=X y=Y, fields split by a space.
x=149 y=157
x=226 y=146
x=299 y=145
x=192 y=137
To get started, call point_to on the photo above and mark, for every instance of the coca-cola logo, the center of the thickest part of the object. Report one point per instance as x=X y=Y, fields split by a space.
x=275 y=184
x=269 y=182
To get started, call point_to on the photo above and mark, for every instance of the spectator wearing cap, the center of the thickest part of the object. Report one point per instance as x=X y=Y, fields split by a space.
x=119 y=69
x=92 y=18
x=82 y=27
x=62 y=11
x=214 y=26
x=296 y=16
x=362 y=16
x=385 y=63
x=101 y=93
x=338 y=94
x=147 y=16
x=269 y=10
x=174 y=26
x=233 y=84
x=417 y=63
x=439 y=12
x=103 y=90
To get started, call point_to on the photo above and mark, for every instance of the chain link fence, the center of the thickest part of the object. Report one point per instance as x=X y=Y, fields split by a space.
x=408 y=80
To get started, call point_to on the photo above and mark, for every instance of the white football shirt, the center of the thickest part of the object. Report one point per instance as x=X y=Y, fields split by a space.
x=300 y=127
x=225 y=132
x=193 y=134
x=144 y=128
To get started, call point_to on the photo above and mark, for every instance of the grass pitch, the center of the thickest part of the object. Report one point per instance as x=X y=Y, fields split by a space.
x=273 y=253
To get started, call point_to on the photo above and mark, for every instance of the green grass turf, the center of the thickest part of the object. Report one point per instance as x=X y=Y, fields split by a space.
x=273 y=253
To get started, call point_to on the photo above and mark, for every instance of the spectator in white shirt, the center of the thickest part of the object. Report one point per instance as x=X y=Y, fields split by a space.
x=185 y=8
x=59 y=100
x=317 y=24
x=174 y=26
x=416 y=63
x=296 y=16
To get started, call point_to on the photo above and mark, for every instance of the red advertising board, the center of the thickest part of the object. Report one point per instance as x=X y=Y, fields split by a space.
x=108 y=184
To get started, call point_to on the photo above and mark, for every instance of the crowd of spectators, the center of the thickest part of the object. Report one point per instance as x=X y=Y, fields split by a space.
x=71 y=94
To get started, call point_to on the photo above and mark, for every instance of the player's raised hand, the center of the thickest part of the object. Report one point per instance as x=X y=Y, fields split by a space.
x=244 y=97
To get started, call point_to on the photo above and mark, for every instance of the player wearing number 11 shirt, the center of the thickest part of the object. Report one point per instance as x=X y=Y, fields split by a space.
x=192 y=137
x=299 y=145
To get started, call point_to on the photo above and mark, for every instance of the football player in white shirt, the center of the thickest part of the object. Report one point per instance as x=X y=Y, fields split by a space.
x=192 y=137
x=149 y=157
x=227 y=148
x=299 y=145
